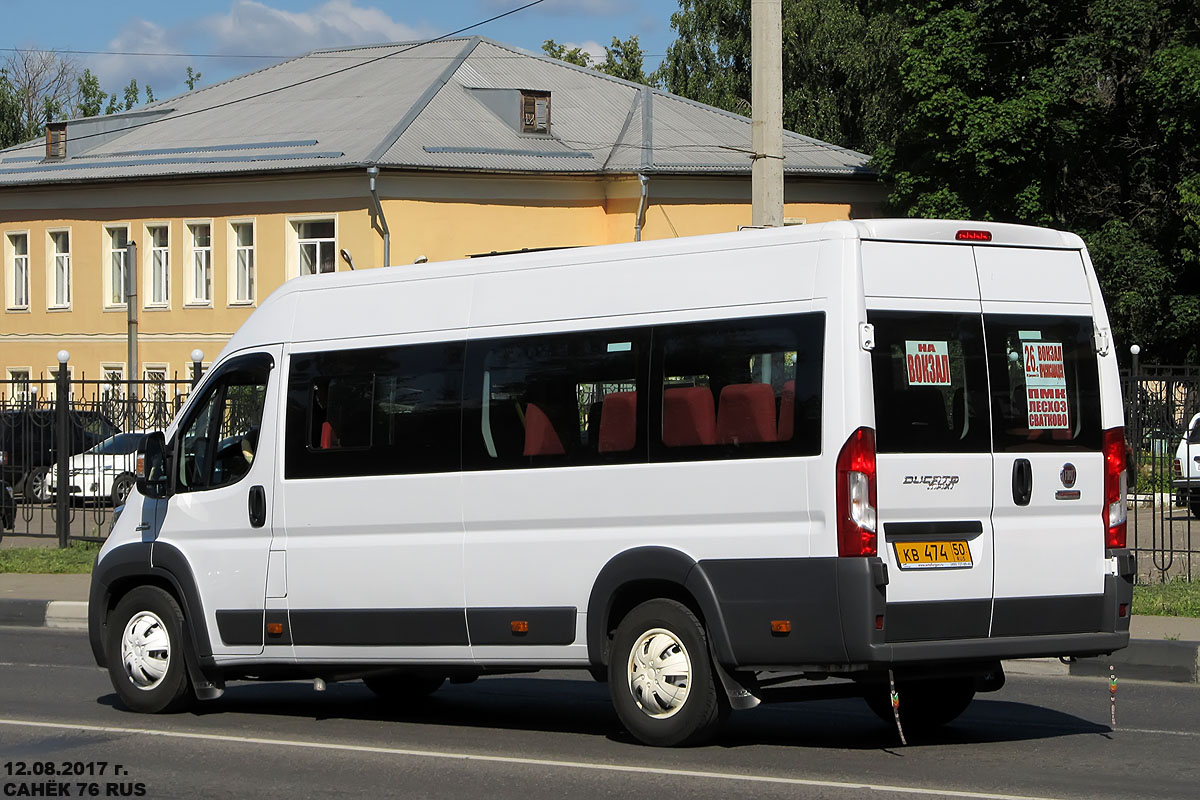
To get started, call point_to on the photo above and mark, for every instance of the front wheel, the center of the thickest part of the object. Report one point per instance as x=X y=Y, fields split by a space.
x=122 y=486
x=144 y=652
x=661 y=678
x=924 y=705
x=37 y=485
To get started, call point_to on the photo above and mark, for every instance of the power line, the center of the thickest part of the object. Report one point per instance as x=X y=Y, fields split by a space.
x=262 y=56
x=266 y=92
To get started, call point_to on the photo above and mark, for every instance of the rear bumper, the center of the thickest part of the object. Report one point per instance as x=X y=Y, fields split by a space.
x=841 y=620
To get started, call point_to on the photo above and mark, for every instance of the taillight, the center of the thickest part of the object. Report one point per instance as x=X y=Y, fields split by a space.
x=856 y=495
x=1115 y=487
x=1177 y=466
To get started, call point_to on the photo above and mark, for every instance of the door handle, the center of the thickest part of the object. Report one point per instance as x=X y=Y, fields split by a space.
x=258 y=506
x=1022 y=481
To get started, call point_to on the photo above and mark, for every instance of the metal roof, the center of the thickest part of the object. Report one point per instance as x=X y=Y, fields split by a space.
x=446 y=105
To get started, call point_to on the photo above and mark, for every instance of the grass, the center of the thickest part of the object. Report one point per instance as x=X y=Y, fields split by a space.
x=77 y=558
x=1178 y=598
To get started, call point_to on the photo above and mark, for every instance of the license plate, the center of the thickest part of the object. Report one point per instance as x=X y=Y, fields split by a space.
x=933 y=555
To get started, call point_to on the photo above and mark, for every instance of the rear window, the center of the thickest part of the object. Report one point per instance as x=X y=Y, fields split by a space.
x=1045 y=384
x=930 y=379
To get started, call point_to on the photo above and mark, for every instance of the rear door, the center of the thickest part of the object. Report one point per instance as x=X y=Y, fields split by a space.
x=1047 y=435
x=934 y=462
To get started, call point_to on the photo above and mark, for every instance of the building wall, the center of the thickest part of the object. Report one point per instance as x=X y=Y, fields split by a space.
x=439 y=217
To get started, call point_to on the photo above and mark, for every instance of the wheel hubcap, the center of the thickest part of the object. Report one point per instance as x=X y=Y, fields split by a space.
x=660 y=673
x=145 y=650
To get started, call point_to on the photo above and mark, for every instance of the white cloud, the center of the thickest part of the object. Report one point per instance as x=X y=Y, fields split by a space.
x=248 y=28
x=593 y=49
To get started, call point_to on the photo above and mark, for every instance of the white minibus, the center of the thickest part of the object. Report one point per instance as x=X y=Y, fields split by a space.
x=816 y=461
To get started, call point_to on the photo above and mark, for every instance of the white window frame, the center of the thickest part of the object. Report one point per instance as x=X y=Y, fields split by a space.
x=232 y=250
x=19 y=397
x=110 y=303
x=53 y=301
x=156 y=279
x=10 y=272
x=163 y=368
x=294 y=241
x=190 y=253
x=52 y=382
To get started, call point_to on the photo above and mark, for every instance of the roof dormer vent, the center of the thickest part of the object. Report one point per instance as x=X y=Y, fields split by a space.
x=56 y=140
x=535 y=111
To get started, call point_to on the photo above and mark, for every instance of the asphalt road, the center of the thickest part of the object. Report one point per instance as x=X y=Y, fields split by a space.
x=554 y=735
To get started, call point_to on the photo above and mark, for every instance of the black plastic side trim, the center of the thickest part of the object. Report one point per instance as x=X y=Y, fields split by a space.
x=939 y=619
x=375 y=627
x=1038 y=616
x=940 y=528
x=241 y=627
x=167 y=560
x=493 y=626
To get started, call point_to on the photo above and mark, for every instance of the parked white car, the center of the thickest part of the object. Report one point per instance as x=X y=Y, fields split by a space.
x=106 y=472
x=1187 y=468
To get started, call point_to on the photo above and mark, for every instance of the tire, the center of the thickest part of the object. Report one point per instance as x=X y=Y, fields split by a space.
x=1194 y=507
x=404 y=687
x=121 y=488
x=924 y=705
x=144 y=651
x=37 y=485
x=661 y=678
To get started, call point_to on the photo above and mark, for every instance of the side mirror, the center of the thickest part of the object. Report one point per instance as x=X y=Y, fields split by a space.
x=153 y=472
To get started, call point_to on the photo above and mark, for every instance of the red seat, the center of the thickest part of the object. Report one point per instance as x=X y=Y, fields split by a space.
x=689 y=417
x=618 y=423
x=787 y=411
x=329 y=439
x=540 y=437
x=746 y=414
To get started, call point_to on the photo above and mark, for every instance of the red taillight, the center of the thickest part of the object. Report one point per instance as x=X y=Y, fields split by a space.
x=1115 y=508
x=856 y=495
x=973 y=236
x=1177 y=466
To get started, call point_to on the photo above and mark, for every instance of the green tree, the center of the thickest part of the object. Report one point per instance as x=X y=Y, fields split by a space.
x=553 y=49
x=1082 y=115
x=624 y=59
x=194 y=77
x=12 y=126
x=131 y=94
x=91 y=96
x=840 y=62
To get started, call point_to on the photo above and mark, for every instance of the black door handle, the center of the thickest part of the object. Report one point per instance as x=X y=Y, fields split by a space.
x=1022 y=481
x=258 y=506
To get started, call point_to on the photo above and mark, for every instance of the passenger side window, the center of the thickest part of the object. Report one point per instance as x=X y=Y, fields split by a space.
x=740 y=388
x=930 y=379
x=374 y=411
x=219 y=439
x=556 y=400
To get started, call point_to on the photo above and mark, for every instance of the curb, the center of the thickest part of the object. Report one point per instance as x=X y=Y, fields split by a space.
x=1144 y=659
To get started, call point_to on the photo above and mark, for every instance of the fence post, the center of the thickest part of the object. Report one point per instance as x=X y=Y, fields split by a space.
x=197 y=357
x=1135 y=434
x=62 y=454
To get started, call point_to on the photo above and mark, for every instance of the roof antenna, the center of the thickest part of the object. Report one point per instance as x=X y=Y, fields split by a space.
x=346 y=257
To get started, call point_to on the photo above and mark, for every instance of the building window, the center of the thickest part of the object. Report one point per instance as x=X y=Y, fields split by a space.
x=535 y=112
x=61 y=276
x=156 y=409
x=243 y=259
x=316 y=240
x=18 y=386
x=201 y=282
x=159 y=241
x=118 y=265
x=18 y=245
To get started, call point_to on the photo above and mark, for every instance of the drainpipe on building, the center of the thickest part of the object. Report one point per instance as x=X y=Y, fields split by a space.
x=641 y=212
x=373 y=173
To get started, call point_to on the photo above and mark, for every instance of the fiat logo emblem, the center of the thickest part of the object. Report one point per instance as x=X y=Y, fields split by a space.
x=1068 y=475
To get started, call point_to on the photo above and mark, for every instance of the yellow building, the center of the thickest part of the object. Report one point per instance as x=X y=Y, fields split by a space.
x=390 y=154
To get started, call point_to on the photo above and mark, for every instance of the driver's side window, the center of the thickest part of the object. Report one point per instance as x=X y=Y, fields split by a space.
x=220 y=437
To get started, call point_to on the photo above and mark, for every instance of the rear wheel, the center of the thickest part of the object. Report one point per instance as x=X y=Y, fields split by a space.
x=1194 y=505
x=924 y=705
x=404 y=687
x=37 y=485
x=144 y=652
x=661 y=677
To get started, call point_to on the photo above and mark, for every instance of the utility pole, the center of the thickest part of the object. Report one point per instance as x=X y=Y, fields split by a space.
x=766 y=64
x=131 y=319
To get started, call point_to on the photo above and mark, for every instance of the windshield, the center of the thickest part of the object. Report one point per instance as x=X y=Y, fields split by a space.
x=120 y=445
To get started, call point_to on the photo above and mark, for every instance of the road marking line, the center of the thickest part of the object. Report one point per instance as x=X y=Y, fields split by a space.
x=49 y=666
x=1119 y=729
x=537 y=762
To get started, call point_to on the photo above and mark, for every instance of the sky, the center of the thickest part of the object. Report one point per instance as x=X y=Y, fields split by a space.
x=155 y=41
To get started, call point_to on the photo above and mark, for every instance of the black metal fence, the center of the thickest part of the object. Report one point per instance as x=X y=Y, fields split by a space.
x=99 y=457
x=1164 y=515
